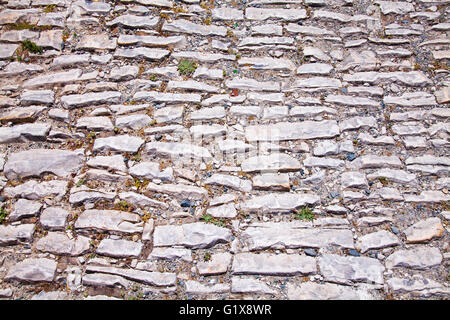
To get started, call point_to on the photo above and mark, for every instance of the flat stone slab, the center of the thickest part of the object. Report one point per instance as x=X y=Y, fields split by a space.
x=271 y=163
x=292 y=235
x=273 y=264
x=33 y=270
x=421 y=287
x=326 y=291
x=108 y=220
x=34 y=163
x=10 y=235
x=121 y=143
x=282 y=131
x=250 y=286
x=54 y=218
x=348 y=270
x=59 y=243
x=159 y=279
x=377 y=240
x=34 y=190
x=420 y=258
x=193 y=235
x=119 y=248
x=218 y=264
x=278 y=202
x=424 y=230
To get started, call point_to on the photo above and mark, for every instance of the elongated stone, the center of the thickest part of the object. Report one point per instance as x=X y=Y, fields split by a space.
x=59 y=243
x=159 y=279
x=424 y=230
x=271 y=264
x=33 y=270
x=326 y=291
x=192 y=235
x=34 y=190
x=34 y=163
x=274 y=162
x=108 y=220
x=119 y=248
x=185 y=26
x=142 y=52
x=412 y=78
x=122 y=143
x=93 y=98
x=268 y=13
x=175 y=149
x=282 y=202
x=348 y=269
x=292 y=131
x=285 y=235
x=420 y=258
x=377 y=240
x=10 y=235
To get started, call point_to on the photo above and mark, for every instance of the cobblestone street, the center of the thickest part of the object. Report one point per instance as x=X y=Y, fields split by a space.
x=223 y=149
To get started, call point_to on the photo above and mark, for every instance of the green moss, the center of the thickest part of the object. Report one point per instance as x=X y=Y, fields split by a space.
x=187 y=67
x=49 y=8
x=32 y=47
x=305 y=214
x=3 y=214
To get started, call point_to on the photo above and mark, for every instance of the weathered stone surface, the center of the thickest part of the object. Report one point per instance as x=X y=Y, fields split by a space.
x=424 y=230
x=327 y=291
x=192 y=235
x=279 y=202
x=59 y=243
x=218 y=264
x=197 y=288
x=108 y=220
x=119 y=248
x=33 y=270
x=168 y=149
x=10 y=235
x=421 y=287
x=377 y=240
x=270 y=264
x=292 y=131
x=33 y=163
x=54 y=218
x=93 y=98
x=261 y=236
x=348 y=270
x=421 y=258
x=159 y=279
x=122 y=143
x=34 y=190
x=273 y=162
x=171 y=254
x=249 y=286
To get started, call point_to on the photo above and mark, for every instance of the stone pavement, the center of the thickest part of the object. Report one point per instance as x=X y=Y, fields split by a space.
x=263 y=149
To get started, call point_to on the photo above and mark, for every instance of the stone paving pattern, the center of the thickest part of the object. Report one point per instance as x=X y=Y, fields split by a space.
x=306 y=157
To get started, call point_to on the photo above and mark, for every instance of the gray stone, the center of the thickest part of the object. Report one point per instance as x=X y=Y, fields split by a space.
x=108 y=220
x=347 y=269
x=121 y=143
x=424 y=230
x=193 y=235
x=420 y=258
x=33 y=270
x=34 y=163
x=273 y=264
x=119 y=248
x=59 y=243
x=292 y=235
